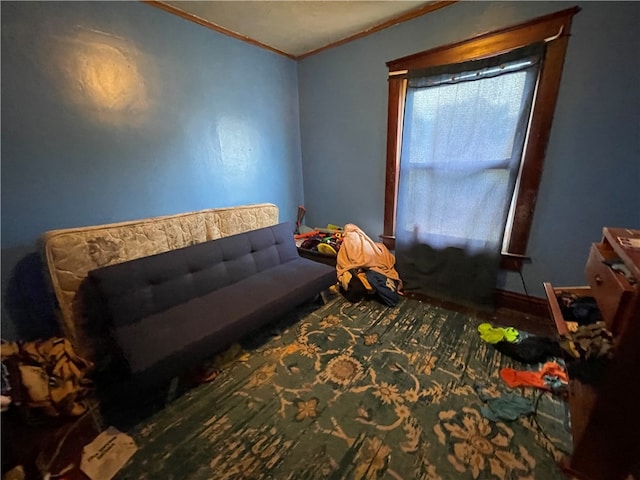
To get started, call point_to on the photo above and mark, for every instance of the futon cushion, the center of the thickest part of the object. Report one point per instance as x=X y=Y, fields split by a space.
x=166 y=343
x=172 y=310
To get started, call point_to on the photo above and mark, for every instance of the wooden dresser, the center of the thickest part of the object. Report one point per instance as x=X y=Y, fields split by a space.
x=605 y=418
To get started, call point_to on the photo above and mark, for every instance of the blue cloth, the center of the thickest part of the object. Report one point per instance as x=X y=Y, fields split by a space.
x=385 y=287
x=507 y=407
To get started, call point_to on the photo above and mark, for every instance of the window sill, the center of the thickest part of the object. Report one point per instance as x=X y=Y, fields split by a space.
x=513 y=262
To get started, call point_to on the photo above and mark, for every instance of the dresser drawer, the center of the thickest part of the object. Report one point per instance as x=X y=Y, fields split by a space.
x=581 y=397
x=554 y=306
x=610 y=289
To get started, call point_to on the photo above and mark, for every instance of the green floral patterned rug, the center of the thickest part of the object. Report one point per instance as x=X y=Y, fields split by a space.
x=357 y=391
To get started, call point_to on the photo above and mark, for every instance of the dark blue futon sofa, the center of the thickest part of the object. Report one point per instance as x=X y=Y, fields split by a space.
x=171 y=311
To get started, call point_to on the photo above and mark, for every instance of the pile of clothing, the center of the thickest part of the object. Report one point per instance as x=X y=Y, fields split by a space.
x=581 y=310
x=521 y=346
x=365 y=267
x=525 y=348
x=589 y=350
x=325 y=241
x=48 y=376
x=585 y=353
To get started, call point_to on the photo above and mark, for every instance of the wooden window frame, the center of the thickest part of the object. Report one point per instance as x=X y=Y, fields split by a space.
x=554 y=29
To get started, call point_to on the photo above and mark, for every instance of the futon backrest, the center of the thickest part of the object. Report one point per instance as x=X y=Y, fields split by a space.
x=133 y=290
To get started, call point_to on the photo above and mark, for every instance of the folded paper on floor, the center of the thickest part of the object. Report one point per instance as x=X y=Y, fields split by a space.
x=107 y=454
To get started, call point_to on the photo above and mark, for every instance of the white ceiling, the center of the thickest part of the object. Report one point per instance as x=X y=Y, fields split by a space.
x=296 y=28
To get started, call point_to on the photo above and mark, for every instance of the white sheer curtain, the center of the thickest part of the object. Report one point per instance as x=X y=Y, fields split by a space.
x=462 y=142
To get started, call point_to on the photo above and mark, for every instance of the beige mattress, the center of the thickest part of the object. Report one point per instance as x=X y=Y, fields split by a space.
x=69 y=254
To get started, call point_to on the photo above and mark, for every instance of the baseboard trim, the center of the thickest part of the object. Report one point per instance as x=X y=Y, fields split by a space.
x=510 y=309
x=519 y=302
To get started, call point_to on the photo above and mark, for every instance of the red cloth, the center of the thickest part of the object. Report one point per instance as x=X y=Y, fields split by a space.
x=524 y=378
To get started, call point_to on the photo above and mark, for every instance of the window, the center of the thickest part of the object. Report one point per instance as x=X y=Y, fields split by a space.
x=467 y=131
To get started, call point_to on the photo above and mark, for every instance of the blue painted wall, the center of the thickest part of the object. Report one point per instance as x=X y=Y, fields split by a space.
x=116 y=110
x=592 y=171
